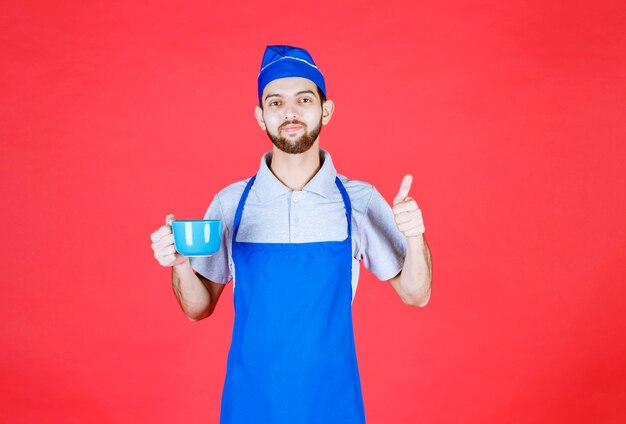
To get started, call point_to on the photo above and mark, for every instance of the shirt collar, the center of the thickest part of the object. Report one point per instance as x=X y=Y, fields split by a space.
x=268 y=187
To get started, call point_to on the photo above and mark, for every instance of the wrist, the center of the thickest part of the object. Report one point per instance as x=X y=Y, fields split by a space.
x=183 y=267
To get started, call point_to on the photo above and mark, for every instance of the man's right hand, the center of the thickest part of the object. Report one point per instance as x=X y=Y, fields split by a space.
x=163 y=245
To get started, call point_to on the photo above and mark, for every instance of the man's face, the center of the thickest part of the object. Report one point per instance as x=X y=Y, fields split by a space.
x=292 y=114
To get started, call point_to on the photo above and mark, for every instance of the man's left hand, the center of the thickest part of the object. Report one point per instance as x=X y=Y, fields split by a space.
x=407 y=214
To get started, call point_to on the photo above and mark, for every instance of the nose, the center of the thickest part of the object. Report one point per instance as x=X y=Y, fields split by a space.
x=290 y=112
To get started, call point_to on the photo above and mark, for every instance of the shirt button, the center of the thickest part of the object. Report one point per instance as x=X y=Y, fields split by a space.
x=295 y=198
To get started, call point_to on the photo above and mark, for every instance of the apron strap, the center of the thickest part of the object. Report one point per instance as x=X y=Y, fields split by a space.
x=244 y=197
x=240 y=206
x=346 y=203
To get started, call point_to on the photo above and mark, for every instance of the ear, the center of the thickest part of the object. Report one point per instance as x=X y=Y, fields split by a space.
x=327 y=111
x=258 y=114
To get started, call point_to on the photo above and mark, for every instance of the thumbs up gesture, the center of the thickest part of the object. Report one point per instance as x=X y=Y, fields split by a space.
x=407 y=214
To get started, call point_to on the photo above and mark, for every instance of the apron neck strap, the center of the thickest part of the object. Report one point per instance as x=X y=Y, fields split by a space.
x=240 y=206
x=346 y=203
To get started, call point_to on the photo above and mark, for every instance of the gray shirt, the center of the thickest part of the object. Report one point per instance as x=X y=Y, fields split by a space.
x=274 y=213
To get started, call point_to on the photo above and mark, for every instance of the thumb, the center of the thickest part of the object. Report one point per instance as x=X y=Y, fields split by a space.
x=169 y=219
x=404 y=189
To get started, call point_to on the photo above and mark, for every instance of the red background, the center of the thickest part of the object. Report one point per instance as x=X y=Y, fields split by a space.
x=510 y=116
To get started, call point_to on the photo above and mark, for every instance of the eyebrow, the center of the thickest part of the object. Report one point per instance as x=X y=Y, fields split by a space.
x=297 y=94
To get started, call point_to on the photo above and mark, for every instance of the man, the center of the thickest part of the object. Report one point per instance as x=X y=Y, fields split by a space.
x=292 y=240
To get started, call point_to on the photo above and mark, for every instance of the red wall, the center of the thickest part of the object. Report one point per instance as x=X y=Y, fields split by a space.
x=510 y=116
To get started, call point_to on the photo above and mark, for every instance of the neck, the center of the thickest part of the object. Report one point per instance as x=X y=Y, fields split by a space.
x=295 y=171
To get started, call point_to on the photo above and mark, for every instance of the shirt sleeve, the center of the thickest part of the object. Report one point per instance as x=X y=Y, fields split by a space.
x=215 y=267
x=382 y=246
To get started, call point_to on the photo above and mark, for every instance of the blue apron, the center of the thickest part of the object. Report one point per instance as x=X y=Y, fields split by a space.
x=292 y=358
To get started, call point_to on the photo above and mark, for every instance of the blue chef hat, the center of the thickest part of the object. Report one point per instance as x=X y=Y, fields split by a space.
x=288 y=61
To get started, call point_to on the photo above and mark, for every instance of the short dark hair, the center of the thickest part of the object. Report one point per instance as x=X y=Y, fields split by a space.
x=319 y=93
x=322 y=96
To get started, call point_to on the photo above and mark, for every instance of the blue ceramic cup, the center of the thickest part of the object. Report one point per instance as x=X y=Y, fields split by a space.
x=196 y=237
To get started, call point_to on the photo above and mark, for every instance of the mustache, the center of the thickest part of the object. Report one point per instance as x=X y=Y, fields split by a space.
x=293 y=122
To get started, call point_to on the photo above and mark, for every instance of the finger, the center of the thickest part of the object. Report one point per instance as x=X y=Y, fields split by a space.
x=167 y=240
x=169 y=219
x=160 y=233
x=408 y=205
x=411 y=228
x=165 y=251
x=404 y=189
x=408 y=216
x=167 y=260
x=415 y=232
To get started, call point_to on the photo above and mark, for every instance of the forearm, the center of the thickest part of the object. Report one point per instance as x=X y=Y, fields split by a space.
x=416 y=277
x=192 y=295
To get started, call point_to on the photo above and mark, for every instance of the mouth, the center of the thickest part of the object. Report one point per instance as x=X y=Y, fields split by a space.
x=291 y=128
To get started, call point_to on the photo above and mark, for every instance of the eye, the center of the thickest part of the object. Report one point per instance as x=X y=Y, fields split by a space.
x=274 y=103
x=305 y=100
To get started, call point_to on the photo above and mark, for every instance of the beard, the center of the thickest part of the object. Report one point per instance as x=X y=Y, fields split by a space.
x=299 y=145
